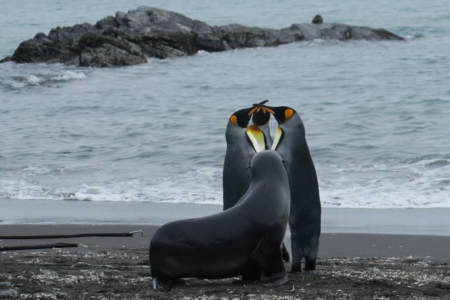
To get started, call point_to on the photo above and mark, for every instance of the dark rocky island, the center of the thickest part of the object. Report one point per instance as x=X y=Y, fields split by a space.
x=130 y=38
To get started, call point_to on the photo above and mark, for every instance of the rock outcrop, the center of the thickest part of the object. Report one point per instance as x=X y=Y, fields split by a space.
x=130 y=38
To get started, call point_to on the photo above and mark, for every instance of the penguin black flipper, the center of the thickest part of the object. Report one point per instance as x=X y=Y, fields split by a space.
x=305 y=213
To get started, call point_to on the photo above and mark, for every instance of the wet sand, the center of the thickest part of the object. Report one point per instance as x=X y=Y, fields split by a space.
x=355 y=266
x=423 y=221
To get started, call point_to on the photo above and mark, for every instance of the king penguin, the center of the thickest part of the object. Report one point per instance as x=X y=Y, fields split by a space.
x=305 y=212
x=243 y=142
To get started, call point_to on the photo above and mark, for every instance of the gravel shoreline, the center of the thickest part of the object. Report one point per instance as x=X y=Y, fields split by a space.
x=355 y=266
x=59 y=274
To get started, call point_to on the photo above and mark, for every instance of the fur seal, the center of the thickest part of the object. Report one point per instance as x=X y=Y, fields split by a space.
x=243 y=240
x=305 y=214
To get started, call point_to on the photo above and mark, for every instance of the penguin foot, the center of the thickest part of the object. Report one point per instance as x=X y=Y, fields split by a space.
x=295 y=269
x=162 y=285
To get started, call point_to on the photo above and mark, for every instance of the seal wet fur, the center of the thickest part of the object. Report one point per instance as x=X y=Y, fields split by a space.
x=243 y=240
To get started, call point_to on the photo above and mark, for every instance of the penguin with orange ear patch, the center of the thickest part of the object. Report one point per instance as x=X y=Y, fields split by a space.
x=243 y=142
x=305 y=212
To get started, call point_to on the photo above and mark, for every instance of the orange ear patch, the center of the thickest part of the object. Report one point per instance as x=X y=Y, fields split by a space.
x=269 y=110
x=233 y=120
x=252 y=111
x=288 y=113
x=258 y=108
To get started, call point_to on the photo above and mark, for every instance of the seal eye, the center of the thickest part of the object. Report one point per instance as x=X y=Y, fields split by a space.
x=288 y=113
x=233 y=120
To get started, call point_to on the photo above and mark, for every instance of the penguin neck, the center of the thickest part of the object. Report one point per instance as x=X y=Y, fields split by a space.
x=293 y=122
x=256 y=137
x=234 y=133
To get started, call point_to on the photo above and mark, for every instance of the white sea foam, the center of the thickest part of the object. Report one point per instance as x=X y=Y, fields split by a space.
x=12 y=83
x=34 y=80
x=413 y=185
x=201 y=186
x=68 y=75
x=21 y=81
x=421 y=184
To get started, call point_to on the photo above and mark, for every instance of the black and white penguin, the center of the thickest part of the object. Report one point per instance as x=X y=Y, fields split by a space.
x=305 y=212
x=243 y=142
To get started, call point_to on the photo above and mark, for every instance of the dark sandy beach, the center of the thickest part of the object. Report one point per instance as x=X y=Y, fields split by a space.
x=355 y=266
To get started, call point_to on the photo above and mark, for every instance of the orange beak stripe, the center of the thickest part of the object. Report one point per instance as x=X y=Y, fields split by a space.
x=264 y=109
x=252 y=111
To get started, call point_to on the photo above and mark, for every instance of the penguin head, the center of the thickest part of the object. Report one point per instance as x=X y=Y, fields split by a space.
x=241 y=117
x=260 y=113
x=282 y=113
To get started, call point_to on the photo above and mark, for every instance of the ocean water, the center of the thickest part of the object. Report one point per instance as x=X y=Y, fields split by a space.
x=376 y=113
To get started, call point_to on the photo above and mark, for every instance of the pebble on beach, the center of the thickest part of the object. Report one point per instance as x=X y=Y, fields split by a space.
x=104 y=275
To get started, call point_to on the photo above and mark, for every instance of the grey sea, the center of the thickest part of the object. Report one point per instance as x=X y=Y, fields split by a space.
x=376 y=113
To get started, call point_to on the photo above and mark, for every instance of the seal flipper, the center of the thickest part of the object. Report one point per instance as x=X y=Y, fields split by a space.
x=273 y=272
x=251 y=276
